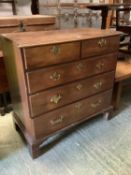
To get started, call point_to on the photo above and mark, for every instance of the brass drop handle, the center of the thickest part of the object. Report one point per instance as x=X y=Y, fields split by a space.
x=57 y=121
x=22 y=27
x=100 y=65
x=55 y=76
x=96 y=104
x=102 y=42
x=79 y=87
x=80 y=66
x=78 y=106
x=55 y=50
x=55 y=99
x=98 y=85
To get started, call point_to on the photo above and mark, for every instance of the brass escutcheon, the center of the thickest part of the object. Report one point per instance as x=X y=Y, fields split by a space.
x=78 y=106
x=57 y=121
x=79 y=87
x=100 y=65
x=55 y=50
x=80 y=66
x=56 y=98
x=96 y=104
x=98 y=85
x=102 y=42
x=55 y=76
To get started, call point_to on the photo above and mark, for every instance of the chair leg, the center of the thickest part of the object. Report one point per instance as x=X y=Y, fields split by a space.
x=117 y=95
x=14 y=7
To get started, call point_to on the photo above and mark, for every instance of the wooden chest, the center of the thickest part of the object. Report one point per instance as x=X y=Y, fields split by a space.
x=21 y=24
x=59 y=79
x=26 y=23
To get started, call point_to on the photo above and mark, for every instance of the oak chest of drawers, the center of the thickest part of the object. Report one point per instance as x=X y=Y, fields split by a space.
x=59 y=79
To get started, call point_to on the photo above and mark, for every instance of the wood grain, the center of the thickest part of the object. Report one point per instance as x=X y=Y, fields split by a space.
x=41 y=79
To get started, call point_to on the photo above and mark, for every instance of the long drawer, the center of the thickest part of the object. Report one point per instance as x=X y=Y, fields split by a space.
x=59 y=96
x=40 y=56
x=63 y=117
x=99 y=46
x=57 y=75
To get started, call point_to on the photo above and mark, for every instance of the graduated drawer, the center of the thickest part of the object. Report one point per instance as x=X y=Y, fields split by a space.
x=58 y=75
x=99 y=46
x=65 y=116
x=40 y=56
x=59 y=96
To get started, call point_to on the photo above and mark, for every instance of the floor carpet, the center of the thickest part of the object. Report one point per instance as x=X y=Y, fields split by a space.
x=97 y=147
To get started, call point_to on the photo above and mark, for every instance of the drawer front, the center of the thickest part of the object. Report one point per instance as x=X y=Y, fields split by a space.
x=58 y=75
x=40 y=56
x=99 y=46
x=40 y=27
x=57 y=97
x=58 y=119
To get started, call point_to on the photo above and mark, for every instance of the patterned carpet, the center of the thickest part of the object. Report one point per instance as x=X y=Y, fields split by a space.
x=97 y=147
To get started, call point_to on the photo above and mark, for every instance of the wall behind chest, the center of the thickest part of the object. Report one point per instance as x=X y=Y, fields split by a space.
x=22 y=6
x=70 y=17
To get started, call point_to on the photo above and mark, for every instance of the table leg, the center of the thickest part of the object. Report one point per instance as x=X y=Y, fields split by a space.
x=104 y=14
x=14 y=7
x=35 y=6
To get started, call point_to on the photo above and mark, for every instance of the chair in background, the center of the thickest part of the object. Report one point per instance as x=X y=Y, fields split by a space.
x=123 y=69
x=123 y=24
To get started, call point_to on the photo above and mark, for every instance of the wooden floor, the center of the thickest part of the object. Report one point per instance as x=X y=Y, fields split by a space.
x=98 y=147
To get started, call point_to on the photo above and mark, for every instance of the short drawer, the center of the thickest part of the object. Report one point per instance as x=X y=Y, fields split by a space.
x=58 y=75
x=71 y=114
x=59 y=96
x=40 y=56
x=99 y=46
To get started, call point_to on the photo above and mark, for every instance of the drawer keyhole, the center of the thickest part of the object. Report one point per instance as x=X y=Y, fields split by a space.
x=55 y=50
x=22 y=27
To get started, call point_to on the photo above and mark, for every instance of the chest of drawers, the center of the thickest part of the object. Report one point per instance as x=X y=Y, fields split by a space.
x=59 y=79
x=26 y=23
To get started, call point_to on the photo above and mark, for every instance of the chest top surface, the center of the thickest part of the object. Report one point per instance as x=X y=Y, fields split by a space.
x=29 y=39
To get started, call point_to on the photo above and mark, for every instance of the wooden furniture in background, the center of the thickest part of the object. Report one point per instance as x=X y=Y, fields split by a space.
x=105 y=9
x=124 y=25
x=12 y=2
x=112 y=13
x=19 y=24
x=35 y=7
x=57 y=71
x=123 y=72
x=123 y=69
